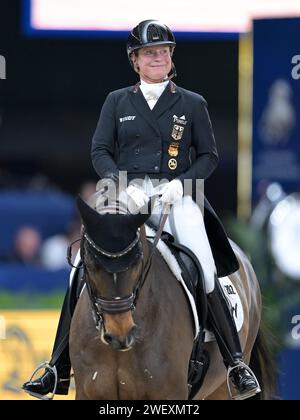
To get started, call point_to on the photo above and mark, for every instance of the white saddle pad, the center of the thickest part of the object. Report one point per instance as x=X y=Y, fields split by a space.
x=228 y=287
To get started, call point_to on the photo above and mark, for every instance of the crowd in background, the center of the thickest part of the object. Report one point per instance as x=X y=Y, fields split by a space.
x=30 y=245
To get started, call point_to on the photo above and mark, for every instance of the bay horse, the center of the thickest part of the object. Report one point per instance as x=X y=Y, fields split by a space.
x=132 y=332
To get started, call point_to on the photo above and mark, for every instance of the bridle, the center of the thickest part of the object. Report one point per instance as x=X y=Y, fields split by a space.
x=117 y=305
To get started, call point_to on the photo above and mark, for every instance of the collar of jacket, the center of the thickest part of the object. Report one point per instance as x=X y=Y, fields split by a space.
x=171 y=86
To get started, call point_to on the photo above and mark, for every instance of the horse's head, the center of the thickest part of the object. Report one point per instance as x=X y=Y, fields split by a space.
x=112 y=256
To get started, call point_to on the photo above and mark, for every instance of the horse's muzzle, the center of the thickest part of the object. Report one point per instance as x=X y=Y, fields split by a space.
x=121 y=343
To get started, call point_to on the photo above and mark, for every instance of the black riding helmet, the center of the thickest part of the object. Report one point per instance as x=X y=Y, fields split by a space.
x=147 y=33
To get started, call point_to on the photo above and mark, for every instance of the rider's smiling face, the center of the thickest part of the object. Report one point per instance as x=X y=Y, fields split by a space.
x=153 y=63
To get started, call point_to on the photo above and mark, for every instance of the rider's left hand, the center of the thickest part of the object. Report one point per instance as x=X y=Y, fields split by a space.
x=172 y=192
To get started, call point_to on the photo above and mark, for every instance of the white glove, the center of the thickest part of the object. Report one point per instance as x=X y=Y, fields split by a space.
x=172 y=192
x=138 y=196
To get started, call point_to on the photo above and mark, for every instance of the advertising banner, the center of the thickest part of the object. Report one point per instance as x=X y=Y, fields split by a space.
x=26 y=340
x=276 y=105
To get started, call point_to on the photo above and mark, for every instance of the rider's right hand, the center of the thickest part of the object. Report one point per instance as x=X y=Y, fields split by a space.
x=138 y=196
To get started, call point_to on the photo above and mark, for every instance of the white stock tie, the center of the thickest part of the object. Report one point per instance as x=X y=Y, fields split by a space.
x=152 y=91
x=151 y=97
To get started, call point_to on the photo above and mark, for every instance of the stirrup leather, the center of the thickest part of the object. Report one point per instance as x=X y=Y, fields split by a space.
x=235 y=395
x=45 y=365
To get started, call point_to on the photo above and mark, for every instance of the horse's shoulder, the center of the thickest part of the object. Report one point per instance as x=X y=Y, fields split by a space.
x=240 y=254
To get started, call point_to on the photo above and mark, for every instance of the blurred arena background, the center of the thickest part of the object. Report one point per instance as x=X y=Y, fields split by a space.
x=58 y=63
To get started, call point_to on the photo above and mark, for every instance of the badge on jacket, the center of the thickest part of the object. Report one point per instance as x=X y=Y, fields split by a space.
x=172 y=164
x=177 y=132
x=173 y=149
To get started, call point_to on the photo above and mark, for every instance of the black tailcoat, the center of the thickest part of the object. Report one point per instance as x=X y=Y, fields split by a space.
x=131 y=137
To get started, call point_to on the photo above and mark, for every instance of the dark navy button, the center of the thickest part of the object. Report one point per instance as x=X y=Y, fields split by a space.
x=156 y=168
x=158 y=152
x=137 y=135
x=136 y=167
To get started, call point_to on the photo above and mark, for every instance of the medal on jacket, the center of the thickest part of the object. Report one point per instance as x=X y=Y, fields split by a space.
x=172 y=164
x=173 y=149
x=177 y=132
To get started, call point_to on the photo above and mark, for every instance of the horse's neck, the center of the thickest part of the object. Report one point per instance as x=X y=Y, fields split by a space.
x=152 y=293
x=161 y=291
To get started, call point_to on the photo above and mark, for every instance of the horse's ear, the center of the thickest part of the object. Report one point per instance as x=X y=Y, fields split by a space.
x=91 y=217
x=86 y=212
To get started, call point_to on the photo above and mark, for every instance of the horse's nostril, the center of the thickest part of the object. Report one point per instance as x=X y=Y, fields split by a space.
x=131 y=337
x=132 y=334
x=108 y=338
x=129 y=341
x=120 y=344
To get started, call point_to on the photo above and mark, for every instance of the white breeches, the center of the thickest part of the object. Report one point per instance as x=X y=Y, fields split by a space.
x=186 y=224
